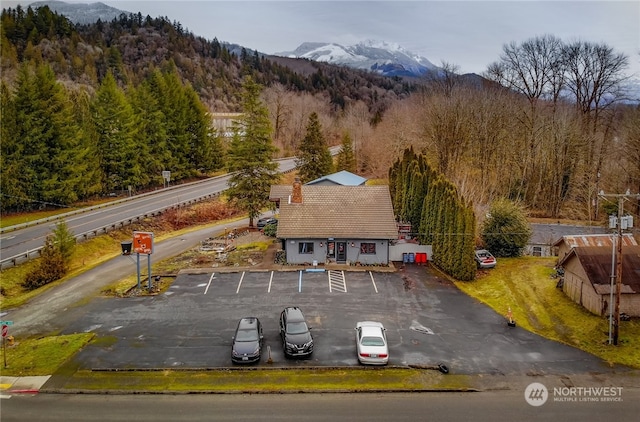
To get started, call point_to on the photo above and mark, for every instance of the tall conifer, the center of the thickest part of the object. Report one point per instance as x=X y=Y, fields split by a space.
x=250 y=154
x=314 y=158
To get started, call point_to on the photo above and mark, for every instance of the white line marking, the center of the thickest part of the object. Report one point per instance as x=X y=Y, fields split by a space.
x=270 y=280
x=209 y=283
x=5 y=396
x=240 y=283
x=373 y=281
x=344 y=282
x=329 y=277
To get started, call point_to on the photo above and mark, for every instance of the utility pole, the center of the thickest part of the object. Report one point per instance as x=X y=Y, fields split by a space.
x=621 y=223
x=616 y=325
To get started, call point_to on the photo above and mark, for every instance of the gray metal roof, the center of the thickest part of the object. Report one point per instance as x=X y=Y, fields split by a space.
x=549 y=234
x=343 y=178
x=596 y=240
x=359 y=212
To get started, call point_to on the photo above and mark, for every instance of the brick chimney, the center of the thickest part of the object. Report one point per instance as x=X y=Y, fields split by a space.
x=296 y=195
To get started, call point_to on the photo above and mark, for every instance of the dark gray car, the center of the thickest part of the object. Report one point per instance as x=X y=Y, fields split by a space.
x=247 y=341
x=296 y=335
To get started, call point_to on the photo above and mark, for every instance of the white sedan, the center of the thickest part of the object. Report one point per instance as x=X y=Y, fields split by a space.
x=371 y=342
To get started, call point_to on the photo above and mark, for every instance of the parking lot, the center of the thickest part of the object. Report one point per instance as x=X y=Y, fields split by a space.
x=428 y=321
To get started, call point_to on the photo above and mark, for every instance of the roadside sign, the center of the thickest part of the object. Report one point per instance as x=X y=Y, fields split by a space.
x=6 y=322
x=5 y=330
x=143 y=242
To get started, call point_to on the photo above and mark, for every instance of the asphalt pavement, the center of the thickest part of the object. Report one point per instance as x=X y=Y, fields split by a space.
x=428 y=321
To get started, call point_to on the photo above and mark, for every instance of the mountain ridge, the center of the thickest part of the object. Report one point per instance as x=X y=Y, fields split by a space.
x=82 y=13
x=387 y=59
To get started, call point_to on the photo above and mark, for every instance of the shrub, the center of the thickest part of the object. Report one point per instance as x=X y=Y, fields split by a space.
x=270 y=230
x=506 y=230
x=54 y=258
x=52 y=267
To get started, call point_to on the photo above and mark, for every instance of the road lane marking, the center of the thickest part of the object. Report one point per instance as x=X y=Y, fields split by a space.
x=373 y=281
x=209 y=283
x=270 y=280
x=300 y=282
x=240 y=283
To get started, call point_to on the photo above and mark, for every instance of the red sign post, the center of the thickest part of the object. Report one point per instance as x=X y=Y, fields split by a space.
x=143 y=243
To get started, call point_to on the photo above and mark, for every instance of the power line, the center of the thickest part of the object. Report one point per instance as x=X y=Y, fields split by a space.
x=24 y=198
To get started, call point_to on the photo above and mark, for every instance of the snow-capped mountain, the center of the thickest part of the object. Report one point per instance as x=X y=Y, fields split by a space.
x=378 y=56
x=80 y=12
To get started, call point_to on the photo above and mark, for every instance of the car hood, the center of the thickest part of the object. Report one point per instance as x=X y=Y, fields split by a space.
x=298 y=339
x=248 y=347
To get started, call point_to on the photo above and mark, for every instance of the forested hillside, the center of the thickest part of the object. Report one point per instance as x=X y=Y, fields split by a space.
x=102 y=108
x=89 y=110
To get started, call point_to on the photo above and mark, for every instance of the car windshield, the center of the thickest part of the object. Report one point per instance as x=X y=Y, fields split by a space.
x=483 y=255
x=296 y=328
x=372 y=341
x=247 y=335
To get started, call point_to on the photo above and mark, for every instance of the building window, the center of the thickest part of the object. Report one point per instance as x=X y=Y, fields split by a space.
x=537 y=251
x=305 y=247
x=368 y=248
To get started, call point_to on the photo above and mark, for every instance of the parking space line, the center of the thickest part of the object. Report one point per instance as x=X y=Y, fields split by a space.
x=300 y=282
x=240 y=283
x=373 y=281
x=270 y=280
x=209 y=283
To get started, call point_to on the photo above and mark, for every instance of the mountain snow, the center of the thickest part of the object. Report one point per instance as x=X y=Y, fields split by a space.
x=385 y=58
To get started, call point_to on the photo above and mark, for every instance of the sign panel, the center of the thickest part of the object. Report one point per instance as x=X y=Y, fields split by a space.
x=143 y=242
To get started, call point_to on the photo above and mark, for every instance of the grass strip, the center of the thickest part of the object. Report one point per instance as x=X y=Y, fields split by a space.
x=267 y=380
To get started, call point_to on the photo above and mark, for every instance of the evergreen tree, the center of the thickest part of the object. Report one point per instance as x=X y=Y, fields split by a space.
x=314 y=159
x=12 y=185
x=152 y=135
x=62 y=177
x=250 y=154
x=41 y=145
x=114 y=133
x=506 y=231
x=205 y=147
x=346 y=156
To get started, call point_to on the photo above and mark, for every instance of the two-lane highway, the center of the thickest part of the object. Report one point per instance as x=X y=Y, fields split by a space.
x=16 y=244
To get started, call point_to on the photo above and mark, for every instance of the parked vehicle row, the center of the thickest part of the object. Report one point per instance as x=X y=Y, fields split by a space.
x=297 y=341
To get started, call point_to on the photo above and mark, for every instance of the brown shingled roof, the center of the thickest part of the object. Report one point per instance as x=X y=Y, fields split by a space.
x=363 y=212
x=596 y=262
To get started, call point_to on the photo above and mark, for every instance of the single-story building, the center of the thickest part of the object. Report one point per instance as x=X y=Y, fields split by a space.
x=336 y=223
x=565 y=244
x=545 y=236
x=587 y=278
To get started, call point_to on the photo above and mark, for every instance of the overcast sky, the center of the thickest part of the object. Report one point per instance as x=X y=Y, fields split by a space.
x=469 y=34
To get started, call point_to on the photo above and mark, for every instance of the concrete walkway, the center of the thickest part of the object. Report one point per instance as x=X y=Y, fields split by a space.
x=21 y=385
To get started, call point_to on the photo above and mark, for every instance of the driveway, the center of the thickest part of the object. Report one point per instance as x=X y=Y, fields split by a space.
x=428 y=321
